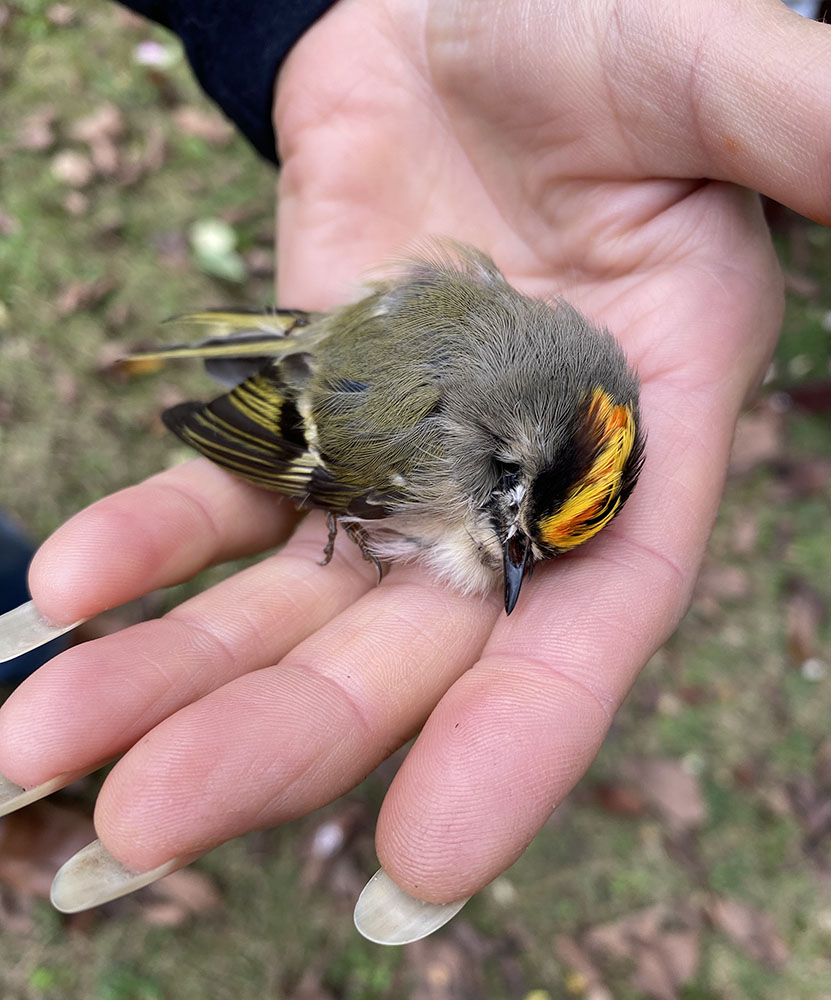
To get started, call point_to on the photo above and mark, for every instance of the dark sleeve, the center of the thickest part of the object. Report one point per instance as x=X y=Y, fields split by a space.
x=235 y=50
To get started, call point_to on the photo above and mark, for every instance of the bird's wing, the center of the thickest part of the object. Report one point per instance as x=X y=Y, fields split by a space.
x=257 y=432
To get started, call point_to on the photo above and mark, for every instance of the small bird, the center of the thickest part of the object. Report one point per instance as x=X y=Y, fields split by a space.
x=445 y=417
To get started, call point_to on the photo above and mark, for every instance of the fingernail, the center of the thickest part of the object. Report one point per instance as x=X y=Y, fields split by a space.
x=386 y=914
x=24 y=628
x=93 y=876
x=14 y=796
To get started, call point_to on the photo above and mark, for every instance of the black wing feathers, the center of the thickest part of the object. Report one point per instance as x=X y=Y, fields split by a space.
x=257 y=432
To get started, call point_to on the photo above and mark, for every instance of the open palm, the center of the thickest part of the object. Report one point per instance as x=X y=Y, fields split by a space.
x=569 y=140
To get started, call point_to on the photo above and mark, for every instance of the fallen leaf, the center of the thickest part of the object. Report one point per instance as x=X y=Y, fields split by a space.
x=147 y=160
x=37 y=132
x=799 y=477
x=177 y=897
x=723 y=582
x=662 y=942
x=759 y=437
x=15 y=917
x=72 y=168
x=745 y=533
x=101 y=132
x=310 y=987
x=205 y=125
x=802 y=285
x=440 y=968
x=106 y=122
x=670 y=788
x=259 y=262
x=621 y=800
x=585 y=979
x=35 y=842
x=66 y=388
x=79 y=295
x=805 y=611
x=814 y=396
x=76 y=203
x=61 y=14
x=751 y=930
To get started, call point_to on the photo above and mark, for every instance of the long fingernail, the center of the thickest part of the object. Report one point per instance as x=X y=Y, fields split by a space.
x=14 y=796
x=23 y=629
x=386 y=914
x=93 y=876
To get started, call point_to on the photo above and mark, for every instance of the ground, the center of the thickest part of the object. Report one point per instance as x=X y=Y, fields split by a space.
x=694 y=860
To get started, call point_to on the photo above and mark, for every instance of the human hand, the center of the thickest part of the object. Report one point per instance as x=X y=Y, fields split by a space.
x=569 y=143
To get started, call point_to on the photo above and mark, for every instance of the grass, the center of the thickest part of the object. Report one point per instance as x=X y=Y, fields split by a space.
x=724 y=696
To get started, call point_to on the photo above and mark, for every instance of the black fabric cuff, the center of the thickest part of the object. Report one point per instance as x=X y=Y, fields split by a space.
x=235 y=49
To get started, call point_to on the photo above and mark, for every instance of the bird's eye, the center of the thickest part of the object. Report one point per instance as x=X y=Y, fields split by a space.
x=506 y=472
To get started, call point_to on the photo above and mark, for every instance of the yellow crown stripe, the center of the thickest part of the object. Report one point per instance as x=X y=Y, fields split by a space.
x=594 y=501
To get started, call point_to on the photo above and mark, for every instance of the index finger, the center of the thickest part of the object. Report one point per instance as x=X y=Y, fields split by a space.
x=155 y=534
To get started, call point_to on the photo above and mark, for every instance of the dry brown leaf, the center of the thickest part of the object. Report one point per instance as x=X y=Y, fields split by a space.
x=259 y=262
x=805 y=611
x=662 y=942
x=37 y=130
x=15 y=916
x=802 y=285
x=759 y=438
x=76 y=203
x=311 y=987
x=745 y=534
x=723 y=582
x=83 y=295
x=101 y=131
x=441 y=969
x=751 y=930
x=178 y=897
x=581 y=967
x=67 y=390
x=147 y=160
x=205 y=125
x=61 y=14
x=72 y=168
x=106 y=122
x=814 y=396
x=35 y=842
x=670 y=788
x=622 y=800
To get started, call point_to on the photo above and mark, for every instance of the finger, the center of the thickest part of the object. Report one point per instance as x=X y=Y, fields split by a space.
x=278 y=742
x=514 y=733
x=741 y=90
x=161 y=532
x=94 y=701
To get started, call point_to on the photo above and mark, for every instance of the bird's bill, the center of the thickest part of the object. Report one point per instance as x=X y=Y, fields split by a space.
x=515 y=558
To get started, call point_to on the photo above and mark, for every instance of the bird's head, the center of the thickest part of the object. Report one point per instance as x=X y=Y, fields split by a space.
x=568 y=497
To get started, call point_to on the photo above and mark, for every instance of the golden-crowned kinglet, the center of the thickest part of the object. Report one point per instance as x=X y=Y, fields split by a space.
x=445 y=417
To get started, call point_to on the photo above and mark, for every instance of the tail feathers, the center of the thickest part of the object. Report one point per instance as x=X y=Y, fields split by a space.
x=226 y=322
x=254 y=338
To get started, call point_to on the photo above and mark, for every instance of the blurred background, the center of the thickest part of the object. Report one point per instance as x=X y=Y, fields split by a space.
x=694 y=860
